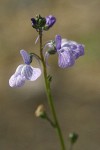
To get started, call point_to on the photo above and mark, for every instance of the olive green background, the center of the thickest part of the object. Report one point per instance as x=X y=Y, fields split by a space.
x=76 y=90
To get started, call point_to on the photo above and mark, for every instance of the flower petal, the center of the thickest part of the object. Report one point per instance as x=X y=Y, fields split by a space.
x=27 y=71
x=33 y=21
x=58 y=42
x=64 y=42
x=77 y=49
x=30 y=73
x=20 y=81
x=65 y=58
x=19 y=69
x=80 y=50
x=12 y=81
x=25 y=56
x=50 y=20
x=36 y=73
x=16 y=81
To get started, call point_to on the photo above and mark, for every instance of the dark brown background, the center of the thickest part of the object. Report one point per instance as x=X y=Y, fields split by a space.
x=76 y=90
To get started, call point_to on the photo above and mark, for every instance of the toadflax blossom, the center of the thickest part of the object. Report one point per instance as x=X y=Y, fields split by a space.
x=24 y=72
x=68 y=51
x=50 y=20
x=43 y=22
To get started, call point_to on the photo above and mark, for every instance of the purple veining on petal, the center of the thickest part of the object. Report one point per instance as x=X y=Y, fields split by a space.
x=50 y=20
x=16 y=81
x=58 y=42
x=30 y=73
x=20 y=81
x=18 y=70
x=27 y=72
x=81 y=47
x=24 y=72
x=67 y=51
x=12 y=81
x=77 y=49
x=35 y=74
x=25 y=56
x=65 y=58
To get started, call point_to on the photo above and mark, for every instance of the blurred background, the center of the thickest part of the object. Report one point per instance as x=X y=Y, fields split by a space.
x=76 y=90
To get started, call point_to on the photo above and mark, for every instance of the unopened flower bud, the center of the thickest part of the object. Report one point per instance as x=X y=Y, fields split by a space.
x=38 y=22
x=51 y=47
x=40 y=111
x=33 y=22
x=52 y=51
x=43 y=23
x=73 y=137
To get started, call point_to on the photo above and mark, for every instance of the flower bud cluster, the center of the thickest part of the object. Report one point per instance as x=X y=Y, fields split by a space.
x=38 y=22
x=43 y=23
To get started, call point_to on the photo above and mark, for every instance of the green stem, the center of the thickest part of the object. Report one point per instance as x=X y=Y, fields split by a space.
x=50 y=121
x=49 y=96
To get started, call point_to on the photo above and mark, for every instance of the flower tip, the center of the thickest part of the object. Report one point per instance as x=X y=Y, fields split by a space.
x=50 y=20
x=11 y=84
x=58 y=41
x=16 y=81
x=12 y=81
x=33 y=22
x=21 y=51
x=40 y=111
x=25 y=56
x=32 y=19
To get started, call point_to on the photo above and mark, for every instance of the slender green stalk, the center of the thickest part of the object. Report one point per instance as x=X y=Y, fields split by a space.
x=49 y=96
x=50 y=121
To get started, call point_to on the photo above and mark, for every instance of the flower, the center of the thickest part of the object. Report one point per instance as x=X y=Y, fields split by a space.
x=24 y=72
x=43 y=23
x=68 y=51
x=50 y=20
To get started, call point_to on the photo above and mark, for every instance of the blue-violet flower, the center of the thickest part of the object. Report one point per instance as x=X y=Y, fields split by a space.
x=43 y=23
x=24 y=72
x=50 y=20
x=68 y=51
